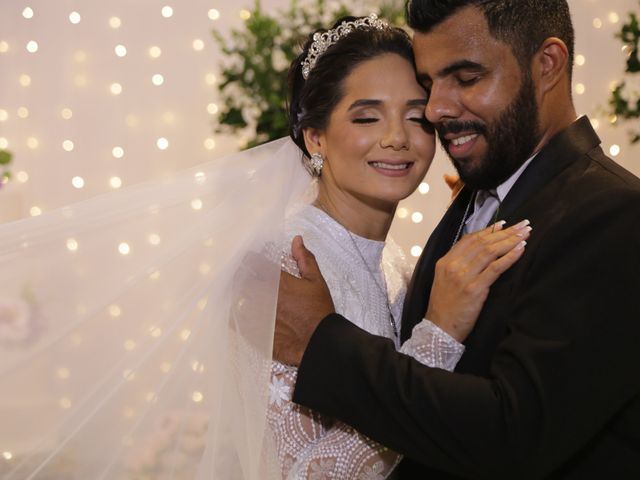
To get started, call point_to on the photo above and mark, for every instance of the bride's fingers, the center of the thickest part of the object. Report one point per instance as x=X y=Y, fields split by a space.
x=478 y=249
x=497 y=267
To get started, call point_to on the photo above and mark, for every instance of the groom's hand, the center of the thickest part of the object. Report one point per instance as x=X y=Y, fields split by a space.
x=302 y=304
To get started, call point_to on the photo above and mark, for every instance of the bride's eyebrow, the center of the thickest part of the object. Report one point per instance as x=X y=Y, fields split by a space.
x=369 y=102
x=364 y=102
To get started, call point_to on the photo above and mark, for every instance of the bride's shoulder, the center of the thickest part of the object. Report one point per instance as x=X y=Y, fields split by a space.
x=394 y=259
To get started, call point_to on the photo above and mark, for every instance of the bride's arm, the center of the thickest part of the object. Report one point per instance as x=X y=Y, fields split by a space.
x=309 y=448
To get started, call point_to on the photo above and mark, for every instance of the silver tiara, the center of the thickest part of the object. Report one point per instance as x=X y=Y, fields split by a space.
x=322 y=41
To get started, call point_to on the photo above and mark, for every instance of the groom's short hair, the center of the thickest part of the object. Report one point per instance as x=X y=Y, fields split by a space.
x=521 y=24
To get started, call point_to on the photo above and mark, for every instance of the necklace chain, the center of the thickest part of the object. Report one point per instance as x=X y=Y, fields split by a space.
x=383 y=291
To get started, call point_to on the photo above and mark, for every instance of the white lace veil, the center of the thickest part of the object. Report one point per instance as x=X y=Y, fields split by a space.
x=136 y=327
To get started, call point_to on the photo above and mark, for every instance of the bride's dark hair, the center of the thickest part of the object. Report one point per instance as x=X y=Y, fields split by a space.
x=311 y=101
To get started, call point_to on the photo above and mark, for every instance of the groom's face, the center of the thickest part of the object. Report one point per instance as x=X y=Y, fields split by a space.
x=481 y=102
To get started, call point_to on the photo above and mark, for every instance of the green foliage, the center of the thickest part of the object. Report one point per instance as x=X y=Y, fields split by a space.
x=5 y=161
x=254 y=79
x=622 y=105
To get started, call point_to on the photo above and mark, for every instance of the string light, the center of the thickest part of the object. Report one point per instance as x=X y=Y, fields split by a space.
x=68 y=146
x=210 y=79
x=115 y=182
x=4 y=115
x=27 y=13
x=416 y=251
x=155 y=52
x=4 y=143
x=124 y=248
x=614 y=150
x=32 y=143
x=117 y=152
x=35 y=211
x=580 y=88
x=157 y=79
x=417 y=217
x=162 y=143
x=115 y=311
x=200 y=178
x=402 y=212
x=22 y=176
x=597 y=23
x=167 y=12
x=614 y=17
x=77 y=182
x=198 y=45
x=115 y=23
x=4 y=47
x=213 y=14
x=154 y=239
x=209 y=144
x=245 y=14
x=580 y=60
x=75 y=18
x=25 y=80
x=197 y=396
x=120 y=50
x=66 y=113
x=72 y=244
x=23 y=112
x=212 y=108
x=115 y=89
x=32 y=46
x=65 y=403
x=424 y=188
x=196 y=204
x=7 y=455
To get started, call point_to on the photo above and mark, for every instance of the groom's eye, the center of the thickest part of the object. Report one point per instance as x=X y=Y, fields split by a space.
x=466 y=80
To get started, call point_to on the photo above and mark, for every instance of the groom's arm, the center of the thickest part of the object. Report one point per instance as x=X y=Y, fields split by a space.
x=567 y=366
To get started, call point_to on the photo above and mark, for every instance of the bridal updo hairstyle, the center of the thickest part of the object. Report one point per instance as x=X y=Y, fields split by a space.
x=311 y=101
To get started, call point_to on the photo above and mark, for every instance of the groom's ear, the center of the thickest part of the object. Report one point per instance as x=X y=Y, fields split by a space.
x=313 y=140
x=550 y=66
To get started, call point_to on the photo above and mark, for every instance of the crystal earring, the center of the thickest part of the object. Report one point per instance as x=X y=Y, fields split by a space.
x=315 y=164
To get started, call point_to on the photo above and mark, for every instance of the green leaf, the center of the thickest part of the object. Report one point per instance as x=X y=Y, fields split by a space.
x=5 y=157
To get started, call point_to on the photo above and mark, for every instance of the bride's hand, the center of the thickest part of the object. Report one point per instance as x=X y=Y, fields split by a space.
x=465 y=274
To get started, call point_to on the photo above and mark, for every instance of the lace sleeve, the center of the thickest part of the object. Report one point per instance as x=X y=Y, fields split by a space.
x=294 y=428
x=345 y=454
x=432 y=346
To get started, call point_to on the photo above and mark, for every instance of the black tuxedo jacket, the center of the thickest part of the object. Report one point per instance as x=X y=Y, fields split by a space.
x=549 y=384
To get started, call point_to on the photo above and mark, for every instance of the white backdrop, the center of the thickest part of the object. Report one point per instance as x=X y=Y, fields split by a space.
x=100 y=95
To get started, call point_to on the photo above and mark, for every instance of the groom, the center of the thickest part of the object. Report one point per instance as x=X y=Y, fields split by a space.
x=549 y=384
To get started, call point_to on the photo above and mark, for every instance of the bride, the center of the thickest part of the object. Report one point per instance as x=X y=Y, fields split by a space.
x=136 y=328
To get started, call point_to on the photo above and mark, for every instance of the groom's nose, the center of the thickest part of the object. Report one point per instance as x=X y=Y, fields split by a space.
x=443 y=104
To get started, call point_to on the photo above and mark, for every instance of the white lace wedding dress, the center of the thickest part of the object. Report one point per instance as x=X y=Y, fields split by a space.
x=367 y=280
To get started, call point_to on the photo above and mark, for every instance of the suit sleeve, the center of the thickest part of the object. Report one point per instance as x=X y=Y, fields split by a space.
x=567 y=364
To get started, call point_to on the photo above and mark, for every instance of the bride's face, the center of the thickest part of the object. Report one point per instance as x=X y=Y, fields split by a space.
x=377 y=145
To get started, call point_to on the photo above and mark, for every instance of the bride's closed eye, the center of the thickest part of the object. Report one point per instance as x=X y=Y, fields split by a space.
x=365 y=120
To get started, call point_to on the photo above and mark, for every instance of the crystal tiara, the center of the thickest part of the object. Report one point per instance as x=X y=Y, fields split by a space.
x=322 y=41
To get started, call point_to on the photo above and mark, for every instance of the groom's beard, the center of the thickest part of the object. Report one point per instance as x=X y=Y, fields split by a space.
x=511 y=140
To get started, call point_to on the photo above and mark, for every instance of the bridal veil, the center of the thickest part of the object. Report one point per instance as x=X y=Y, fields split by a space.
x=136 y=327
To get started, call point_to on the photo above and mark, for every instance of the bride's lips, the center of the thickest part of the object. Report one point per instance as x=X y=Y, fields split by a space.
x=391 y=168
x=461 y=145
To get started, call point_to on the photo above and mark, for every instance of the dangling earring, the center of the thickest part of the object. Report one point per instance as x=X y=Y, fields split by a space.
x=315 y=163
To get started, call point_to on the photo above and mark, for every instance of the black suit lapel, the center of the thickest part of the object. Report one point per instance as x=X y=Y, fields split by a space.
x=559 y=153
x=439 y=243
